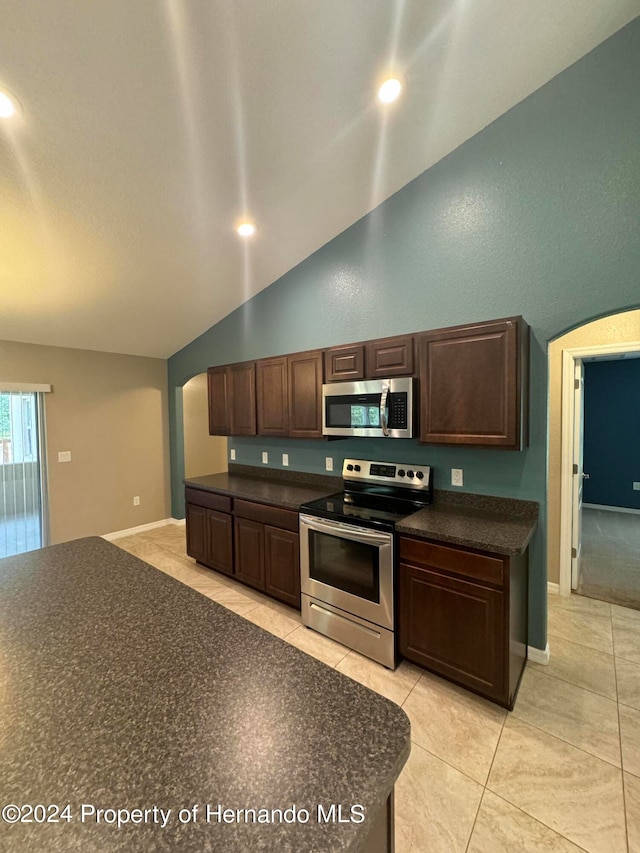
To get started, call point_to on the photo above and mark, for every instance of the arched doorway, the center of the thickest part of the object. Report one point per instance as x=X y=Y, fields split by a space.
x=203 y=453
x=598 y=339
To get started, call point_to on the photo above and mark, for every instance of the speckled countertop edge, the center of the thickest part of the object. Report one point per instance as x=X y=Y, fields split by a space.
x=106 y=693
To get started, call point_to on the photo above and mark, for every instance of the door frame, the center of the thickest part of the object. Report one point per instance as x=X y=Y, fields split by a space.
x=569 y=358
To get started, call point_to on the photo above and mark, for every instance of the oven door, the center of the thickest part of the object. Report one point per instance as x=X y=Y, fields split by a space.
x=348 y=566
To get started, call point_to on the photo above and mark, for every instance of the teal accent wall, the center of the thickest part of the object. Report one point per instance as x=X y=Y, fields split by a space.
x=535 y=215
x=611 y=432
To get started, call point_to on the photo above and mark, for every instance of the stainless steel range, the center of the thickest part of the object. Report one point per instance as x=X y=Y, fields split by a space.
x=348 y=554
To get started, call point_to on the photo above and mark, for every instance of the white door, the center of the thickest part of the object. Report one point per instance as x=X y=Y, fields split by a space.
x=578 y=473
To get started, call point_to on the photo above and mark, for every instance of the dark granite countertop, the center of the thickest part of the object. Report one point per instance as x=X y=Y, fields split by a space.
x=286 y=489
x=121 y=688
x=500 y=525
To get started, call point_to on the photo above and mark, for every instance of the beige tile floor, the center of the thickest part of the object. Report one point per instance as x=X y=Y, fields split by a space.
x=562 y=772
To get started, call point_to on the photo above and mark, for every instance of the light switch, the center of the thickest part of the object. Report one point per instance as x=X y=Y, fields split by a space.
x=265 y=457
x=233 y=454
x=64 y=456
x=285 y=459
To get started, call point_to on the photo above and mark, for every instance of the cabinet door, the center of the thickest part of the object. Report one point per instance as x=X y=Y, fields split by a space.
x=242 y=398
x=218 y=387
x=196 y=517
x=220 y=541
x=389 y=357
x=472 y=381
x=282 y=565
x=273 y=411
x=344 y=364
x=249 y=562
x=455 y=628
x=305 y=394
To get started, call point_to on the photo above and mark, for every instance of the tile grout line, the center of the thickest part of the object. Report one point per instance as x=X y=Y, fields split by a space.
x=475 y=819
x=572 y=745
x=552 y=636
x=536 y=819
x=541 y=670
x=624 y=787
x=484 y=787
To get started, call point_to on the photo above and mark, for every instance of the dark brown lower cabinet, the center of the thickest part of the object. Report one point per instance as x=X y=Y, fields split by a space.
x=249 y=538
x=463 y=615
x=258 y=544
x=220 y=541
x=209 y=529
x=196 y=520
x=282 y=565
x=267 y=550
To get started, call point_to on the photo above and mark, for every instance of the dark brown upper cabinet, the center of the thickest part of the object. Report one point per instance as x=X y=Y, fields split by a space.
x=344 y=364
x=305 y=394
x=242 y=398
x=271 y=387
x=389 y=357
x=474 y=384
x=217 y=380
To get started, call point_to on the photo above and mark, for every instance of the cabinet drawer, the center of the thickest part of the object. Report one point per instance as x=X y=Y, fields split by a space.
x=276 y=517
x=211 y=500
x=480 y=567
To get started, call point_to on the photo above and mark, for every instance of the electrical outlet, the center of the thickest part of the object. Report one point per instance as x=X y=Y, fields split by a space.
x=233 y=454
x=64 y=456
x=457 y=478
x=328 y=463
x=285 y=459
x=636 y=487
x=265 y=457
x=136 y=500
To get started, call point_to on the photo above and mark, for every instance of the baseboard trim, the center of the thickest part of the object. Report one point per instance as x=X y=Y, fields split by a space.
x=612 y=508
x=538 y=655
x=553 y=588
x=131 y=531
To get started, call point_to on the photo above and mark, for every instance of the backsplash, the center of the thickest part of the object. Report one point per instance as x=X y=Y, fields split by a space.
x=489 y=472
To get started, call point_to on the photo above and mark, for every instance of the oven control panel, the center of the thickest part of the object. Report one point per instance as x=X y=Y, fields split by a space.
x=394 y=473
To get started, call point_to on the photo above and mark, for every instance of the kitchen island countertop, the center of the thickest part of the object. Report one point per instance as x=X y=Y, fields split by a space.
x=121 y=688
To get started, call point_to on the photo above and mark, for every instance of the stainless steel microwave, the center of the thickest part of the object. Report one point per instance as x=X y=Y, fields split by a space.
x=377 y=408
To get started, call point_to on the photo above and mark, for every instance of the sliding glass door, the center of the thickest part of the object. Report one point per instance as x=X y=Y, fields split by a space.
x=22 y=475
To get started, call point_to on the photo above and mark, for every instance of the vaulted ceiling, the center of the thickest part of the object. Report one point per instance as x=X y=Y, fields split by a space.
x=150 y=128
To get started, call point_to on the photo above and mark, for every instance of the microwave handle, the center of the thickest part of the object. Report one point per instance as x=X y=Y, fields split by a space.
x=383 y=409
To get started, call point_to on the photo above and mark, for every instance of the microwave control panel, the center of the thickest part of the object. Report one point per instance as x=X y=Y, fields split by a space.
x=397 y=411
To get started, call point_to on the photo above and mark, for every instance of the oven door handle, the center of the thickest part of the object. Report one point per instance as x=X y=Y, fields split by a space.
x=345 y=531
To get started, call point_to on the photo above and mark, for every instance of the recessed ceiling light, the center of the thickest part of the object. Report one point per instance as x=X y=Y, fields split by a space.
x=8 y=105
x=246 y=229
x=389 y=90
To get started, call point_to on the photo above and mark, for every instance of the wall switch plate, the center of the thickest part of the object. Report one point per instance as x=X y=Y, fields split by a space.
x=285 y=459
x=636 y=487
x=457 y=478
x=64 y=456
x=265 y=457
x=232 y=454
x=328 y=463
x=136 y=500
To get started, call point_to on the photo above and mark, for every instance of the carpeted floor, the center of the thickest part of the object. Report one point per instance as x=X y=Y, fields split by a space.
x=610 y=569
